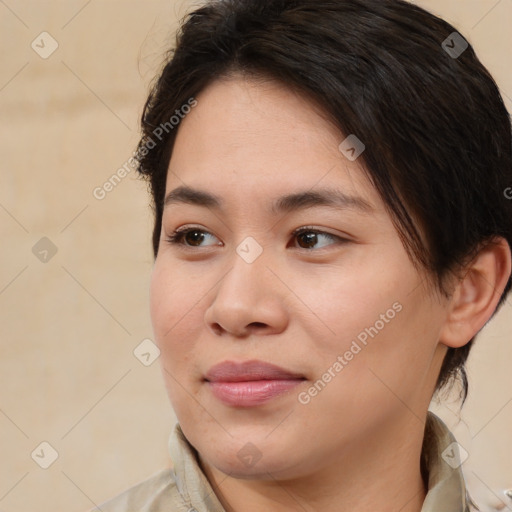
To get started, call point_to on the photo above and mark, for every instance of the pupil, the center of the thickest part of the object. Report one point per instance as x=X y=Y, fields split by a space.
x=308 y=239
x=194 y=237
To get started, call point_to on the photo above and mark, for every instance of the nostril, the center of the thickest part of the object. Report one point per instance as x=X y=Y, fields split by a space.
x=216 y=328
x=257 y=325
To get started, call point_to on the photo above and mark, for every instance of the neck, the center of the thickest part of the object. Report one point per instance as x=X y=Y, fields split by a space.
x=380 y=473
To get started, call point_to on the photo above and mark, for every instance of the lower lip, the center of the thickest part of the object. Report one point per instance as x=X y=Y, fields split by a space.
x=251 y=393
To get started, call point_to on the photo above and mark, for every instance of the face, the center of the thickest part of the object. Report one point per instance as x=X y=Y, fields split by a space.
x=291 y=322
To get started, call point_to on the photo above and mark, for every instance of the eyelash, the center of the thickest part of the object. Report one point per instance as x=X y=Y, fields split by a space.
x=176 y=238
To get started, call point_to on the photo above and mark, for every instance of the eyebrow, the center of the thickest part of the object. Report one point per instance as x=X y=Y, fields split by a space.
x=285 y=204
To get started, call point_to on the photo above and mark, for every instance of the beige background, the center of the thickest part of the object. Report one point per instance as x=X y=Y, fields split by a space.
x=69 y=326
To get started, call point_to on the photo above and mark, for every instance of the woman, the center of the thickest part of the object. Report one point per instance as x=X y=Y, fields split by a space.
x=331 y=233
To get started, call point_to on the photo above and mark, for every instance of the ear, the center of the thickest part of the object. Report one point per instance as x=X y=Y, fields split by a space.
x=476 y=295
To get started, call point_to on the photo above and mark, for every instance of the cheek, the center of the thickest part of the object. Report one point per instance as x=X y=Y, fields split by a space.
x=176 y=317
x=343 y=302
x=386 y=343
x=175 y=311
x=373 y=315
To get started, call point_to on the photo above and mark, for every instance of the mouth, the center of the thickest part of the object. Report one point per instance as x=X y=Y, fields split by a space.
x=250 y=383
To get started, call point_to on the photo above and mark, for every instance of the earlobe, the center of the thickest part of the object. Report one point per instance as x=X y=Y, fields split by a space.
x=477 y=294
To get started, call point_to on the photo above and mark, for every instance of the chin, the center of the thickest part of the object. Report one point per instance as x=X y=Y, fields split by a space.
x=242 y=449
x=245 y=461
x=230 y=464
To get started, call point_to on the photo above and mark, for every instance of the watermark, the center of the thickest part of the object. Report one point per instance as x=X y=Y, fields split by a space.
x=174 y=120
x=249 y=250
x=342 y=361
x=101 y=192
x=44 y=45
x=146 y=352
x=352 y=147
x=508 y=193
x=44 y=455
x=249 y=455
x=44 y=250
x=455 y=45
x=455 y=455
x=111 y=183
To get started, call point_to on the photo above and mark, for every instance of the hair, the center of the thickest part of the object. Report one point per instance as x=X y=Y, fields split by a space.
x=437 y=133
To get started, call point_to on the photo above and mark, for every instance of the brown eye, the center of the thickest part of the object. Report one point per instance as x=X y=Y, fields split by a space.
x=307 y=240
x=194 y=237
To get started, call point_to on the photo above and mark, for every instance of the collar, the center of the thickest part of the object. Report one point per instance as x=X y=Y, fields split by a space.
x=440 y=458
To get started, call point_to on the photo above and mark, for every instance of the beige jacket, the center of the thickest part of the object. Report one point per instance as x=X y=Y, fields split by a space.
x=186 y=489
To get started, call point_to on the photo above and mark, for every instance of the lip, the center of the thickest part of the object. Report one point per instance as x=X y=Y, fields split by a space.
x=250 y=383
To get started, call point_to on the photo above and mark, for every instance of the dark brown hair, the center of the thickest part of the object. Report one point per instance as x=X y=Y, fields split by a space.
x=437 y=134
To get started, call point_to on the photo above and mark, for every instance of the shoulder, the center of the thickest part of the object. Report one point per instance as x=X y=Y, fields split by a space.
x=158 y=492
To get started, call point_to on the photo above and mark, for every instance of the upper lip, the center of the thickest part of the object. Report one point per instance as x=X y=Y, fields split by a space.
x=232 y=371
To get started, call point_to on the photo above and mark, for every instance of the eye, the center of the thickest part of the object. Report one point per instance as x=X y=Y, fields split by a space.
x=309 y=238
x=193 y=237
x=306 y=238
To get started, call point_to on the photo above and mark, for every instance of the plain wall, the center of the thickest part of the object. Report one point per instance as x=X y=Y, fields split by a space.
x=69 y=325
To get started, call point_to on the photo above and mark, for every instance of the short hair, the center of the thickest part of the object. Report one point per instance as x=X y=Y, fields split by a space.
x=437 y=134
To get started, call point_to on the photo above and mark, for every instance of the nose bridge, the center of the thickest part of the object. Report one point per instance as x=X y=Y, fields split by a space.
x=246 y=279
x=245 y=296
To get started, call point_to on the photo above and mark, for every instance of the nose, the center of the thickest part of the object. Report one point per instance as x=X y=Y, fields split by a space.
x=247 y=301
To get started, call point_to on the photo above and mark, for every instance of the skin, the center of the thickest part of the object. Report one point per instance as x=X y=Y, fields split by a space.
x=356 y=445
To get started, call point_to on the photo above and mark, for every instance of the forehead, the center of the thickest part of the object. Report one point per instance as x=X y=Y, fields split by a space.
x=247 y=135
